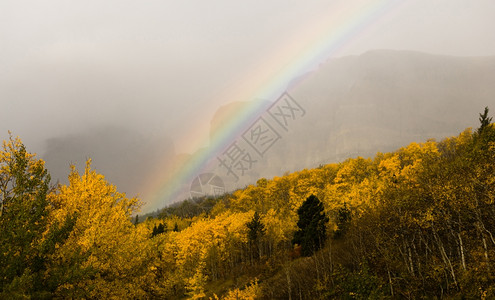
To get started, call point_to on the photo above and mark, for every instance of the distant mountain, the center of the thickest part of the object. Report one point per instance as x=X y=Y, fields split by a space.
x=126 y=158
x=374 y=102
x=350 y=106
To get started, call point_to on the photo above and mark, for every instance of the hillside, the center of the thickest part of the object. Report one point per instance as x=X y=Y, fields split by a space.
x=375 y=102
x=416 y=222
x=413 y=223
x=354 y=106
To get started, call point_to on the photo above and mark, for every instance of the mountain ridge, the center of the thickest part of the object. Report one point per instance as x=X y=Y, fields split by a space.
x=376 y=102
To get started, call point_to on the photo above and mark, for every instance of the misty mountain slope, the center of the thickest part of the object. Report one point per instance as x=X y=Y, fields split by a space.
x=353 y=106
x=377 y=102
x=383 y=99
x=125 y=157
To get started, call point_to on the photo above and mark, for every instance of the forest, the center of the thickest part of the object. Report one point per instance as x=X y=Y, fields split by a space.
x=416 y=223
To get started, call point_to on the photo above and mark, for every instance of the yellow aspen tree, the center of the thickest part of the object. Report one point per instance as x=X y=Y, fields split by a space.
x=103 y=252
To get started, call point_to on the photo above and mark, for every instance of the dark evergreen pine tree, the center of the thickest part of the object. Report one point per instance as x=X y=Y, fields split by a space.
x=161 y=228
x=312 y=222
x=343 y=221
x=256 y=229
x=484 y=120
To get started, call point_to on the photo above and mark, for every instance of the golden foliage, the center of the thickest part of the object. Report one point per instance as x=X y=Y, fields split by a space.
x=421 y=216
x=102 y=234
x=251 y=291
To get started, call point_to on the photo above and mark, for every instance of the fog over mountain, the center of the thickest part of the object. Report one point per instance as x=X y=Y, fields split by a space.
x=154 y=73
x=382 y=99
x=353 y=106
x=126 y=158
x=375 y=102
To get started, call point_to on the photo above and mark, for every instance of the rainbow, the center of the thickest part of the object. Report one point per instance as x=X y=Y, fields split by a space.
x=314 y=44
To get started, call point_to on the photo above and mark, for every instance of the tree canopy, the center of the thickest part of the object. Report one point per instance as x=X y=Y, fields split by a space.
x=418 y=222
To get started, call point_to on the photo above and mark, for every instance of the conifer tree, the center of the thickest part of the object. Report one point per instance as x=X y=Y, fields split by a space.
x=161 y=228
x=343 y=219
x=312 y=222
x=256 y=229
x=484 y=120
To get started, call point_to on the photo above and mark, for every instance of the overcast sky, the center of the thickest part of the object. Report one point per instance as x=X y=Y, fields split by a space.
x=163 y=67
